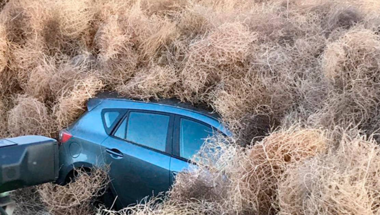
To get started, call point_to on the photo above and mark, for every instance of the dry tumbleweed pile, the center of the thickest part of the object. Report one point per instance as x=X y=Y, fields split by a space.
x=296 y=81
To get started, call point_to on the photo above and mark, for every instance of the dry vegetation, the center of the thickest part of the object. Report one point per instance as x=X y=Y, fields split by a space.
x=76 y=197
x=345 y=180
x=295 y=80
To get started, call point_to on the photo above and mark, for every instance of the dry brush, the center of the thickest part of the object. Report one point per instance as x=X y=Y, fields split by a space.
x=263 y=65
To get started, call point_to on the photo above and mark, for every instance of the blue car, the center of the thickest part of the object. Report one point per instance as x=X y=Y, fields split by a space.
x=145 y=144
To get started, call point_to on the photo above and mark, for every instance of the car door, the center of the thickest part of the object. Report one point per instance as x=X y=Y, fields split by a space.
x=189 y=137
x=138 y=153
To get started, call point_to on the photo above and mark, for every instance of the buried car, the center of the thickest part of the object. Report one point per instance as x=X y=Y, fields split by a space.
x=144 y=144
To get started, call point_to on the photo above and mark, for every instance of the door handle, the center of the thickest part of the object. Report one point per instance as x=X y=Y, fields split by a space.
x=116 y=153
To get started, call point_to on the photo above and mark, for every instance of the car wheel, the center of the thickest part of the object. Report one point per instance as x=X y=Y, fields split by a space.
x=71 y=177
x=107 y=199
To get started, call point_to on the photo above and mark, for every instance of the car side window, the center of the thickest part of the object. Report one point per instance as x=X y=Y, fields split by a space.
x=192 y=136
x=121 y=131
x=147 y=129
x=110 y=118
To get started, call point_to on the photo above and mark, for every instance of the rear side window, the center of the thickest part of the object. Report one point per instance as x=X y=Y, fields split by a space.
x=147 y=129
x=110 y=118
x=192 y=137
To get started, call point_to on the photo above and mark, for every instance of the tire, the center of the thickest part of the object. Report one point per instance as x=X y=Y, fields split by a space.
x=107 y=199
x=74 y=174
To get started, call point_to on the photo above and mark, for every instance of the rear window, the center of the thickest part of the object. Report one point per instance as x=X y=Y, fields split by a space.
x=147 y=129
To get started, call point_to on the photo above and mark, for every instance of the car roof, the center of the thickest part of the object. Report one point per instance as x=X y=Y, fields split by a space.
x=173 y=103
x=164 y=105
